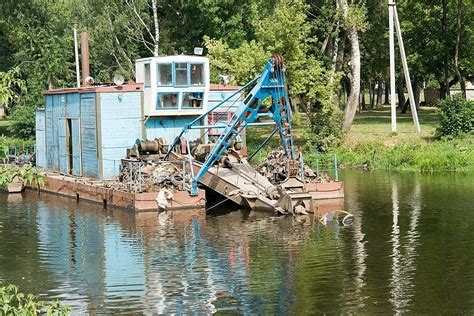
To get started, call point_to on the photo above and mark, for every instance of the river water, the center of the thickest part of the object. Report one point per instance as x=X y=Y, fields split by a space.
x=410 y=249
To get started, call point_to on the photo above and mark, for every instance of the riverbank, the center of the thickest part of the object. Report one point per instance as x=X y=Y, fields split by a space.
x=370 y=144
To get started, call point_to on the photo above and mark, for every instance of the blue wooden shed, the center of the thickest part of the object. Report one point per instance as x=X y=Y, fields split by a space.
x=86 y=131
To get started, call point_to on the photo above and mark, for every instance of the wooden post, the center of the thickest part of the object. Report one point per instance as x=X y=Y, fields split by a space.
x=414 y=113
x=391 y=7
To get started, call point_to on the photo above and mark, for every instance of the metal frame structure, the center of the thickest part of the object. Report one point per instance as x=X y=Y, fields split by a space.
x=270 y=83
x=393 y=19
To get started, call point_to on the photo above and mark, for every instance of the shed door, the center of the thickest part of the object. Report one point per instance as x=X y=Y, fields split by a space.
x=75 y=147
x=63 y=146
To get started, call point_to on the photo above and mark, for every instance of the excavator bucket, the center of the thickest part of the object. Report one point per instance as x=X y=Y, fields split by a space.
x=294 y=198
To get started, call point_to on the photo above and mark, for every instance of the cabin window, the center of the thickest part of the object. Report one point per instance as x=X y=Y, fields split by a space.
x=181 y=74
x=192 y=100
x=197 y=74
x=166 y=100
x=165 y=74
x=147 y=75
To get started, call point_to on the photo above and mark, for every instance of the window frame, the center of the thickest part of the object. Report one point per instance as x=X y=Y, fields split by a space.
x=202 y=74
x=178 y=100
x=172 y=84
x=175 y=72
x=147 y=85
x=190 y=107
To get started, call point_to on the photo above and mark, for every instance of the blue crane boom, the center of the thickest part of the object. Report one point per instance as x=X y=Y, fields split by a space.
x=270 y=83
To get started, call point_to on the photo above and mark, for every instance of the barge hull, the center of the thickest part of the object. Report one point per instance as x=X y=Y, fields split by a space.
x=138 y=202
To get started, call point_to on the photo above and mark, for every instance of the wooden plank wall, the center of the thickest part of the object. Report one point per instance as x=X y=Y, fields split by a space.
x=89 y=157
x=49 y=131
x=120 y=127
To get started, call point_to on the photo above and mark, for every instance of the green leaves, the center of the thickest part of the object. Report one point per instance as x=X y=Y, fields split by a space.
x=23 y=122
x=13 y=302
x=11 y=87
x=357 y=17
x=457 y=117
x=28 y=174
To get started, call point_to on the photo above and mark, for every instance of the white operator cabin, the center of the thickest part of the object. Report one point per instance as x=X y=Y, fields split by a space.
x=174 y=83
x=175 y=92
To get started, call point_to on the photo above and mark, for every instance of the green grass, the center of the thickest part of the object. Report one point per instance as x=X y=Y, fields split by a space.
x=376 y=125
x=371 y=144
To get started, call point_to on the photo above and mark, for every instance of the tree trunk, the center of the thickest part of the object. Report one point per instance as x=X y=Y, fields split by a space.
x=353 y=100
x=157 y=28
x=417 y=92
x=444 y=30
x=378 y=104
x=416 y=95
x=372 y=96
x=458 y=44
x=387 y=89
x=401 y=96
x=363 y=99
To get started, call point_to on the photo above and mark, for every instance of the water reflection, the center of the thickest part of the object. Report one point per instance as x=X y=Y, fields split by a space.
x=391 y=259
x=403 y=259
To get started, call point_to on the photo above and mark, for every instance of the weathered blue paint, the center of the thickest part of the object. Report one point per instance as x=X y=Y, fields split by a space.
x=55 y=126
x=41 y=138
x=169 y=128
x=89 y=157
x=216 y=97
x=73 y=109
x=120 y=126
x=49 y=132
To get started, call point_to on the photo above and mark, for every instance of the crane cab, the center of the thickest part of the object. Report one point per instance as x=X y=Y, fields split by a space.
x=175 y=92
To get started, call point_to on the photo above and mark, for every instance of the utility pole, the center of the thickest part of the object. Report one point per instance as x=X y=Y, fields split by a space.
x=393 y=17
x=393 y=104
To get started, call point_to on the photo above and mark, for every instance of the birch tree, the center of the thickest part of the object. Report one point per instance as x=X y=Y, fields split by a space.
x=354 y=21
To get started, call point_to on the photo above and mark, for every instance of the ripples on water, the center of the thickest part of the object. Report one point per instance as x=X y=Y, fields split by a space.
x=409 y=250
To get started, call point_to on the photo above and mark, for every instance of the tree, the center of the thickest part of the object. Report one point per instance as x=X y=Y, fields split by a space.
x=286 y=31
x=354 y=22
x=11 y=87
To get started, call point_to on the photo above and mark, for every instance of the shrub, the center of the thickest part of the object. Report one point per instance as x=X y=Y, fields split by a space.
x=324 y=130
x=28 y=174
x=13 y=302
x=23 y=122
x=457 y=117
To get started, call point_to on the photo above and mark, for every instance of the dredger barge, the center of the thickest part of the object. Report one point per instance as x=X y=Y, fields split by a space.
x=92 y=142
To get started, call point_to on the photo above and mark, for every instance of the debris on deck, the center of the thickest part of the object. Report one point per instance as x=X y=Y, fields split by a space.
x=275 y=168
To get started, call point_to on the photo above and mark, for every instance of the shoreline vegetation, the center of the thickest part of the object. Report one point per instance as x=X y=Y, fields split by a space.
x=371 y=145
